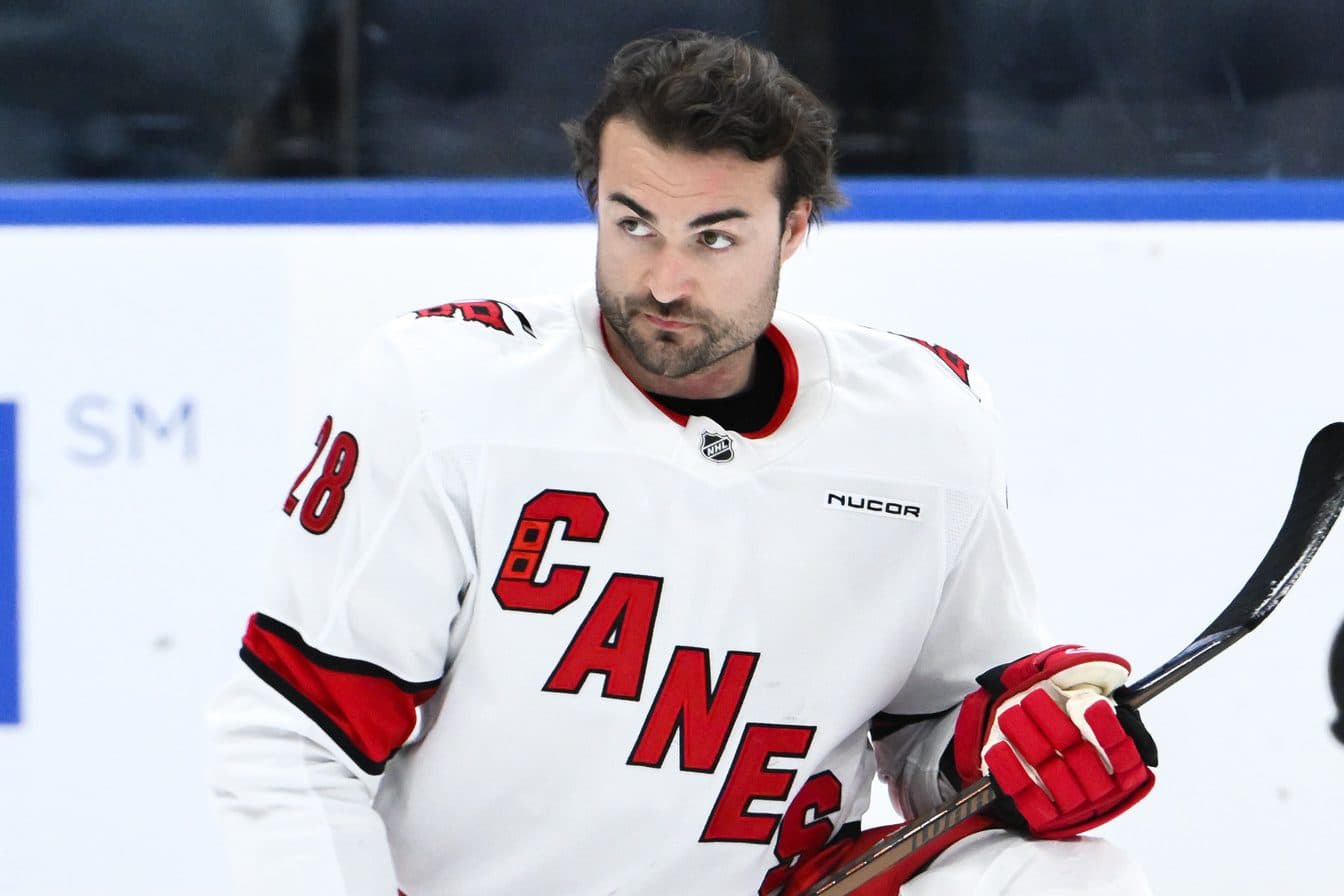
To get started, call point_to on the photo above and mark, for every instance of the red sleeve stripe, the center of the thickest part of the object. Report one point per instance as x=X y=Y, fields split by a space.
x=367 y=710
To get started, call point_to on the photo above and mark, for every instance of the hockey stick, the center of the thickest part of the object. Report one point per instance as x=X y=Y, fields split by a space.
x=1316 y=504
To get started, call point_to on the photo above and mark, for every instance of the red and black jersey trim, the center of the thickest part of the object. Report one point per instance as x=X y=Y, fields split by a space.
x=366 y=710
x=790 y=390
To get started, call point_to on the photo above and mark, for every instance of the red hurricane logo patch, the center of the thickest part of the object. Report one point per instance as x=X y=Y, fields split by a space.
x=954 y=361
x=486 y=312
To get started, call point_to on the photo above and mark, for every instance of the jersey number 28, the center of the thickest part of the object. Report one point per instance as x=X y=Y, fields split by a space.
x=327 y=493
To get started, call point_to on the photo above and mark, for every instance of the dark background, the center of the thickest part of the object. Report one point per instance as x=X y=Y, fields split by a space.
x=174 y=89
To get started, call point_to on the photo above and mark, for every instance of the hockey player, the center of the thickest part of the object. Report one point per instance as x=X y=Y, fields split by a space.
x=604 y=593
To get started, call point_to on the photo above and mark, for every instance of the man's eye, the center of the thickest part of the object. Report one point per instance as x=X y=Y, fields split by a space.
x=713 y=239
x=635 y=227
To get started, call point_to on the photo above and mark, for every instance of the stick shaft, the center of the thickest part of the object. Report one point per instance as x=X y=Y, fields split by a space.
x=892 y=849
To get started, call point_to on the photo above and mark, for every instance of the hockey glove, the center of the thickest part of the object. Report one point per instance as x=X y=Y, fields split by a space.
x=1065 y=756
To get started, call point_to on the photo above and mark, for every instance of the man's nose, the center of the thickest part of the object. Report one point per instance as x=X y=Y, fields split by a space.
x=671 y=275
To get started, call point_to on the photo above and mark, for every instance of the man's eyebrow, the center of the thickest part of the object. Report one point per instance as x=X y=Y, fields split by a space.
x=703 y=221
x=634 y=207
x=716 y=217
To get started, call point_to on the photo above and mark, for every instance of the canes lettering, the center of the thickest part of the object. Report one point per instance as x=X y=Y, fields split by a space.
x=701 y=709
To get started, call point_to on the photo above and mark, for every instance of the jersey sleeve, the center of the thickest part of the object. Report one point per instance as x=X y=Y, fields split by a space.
x=987 y=615
x=353 y=634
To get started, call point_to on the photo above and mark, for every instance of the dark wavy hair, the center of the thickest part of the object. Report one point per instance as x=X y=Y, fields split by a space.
x=703 y=92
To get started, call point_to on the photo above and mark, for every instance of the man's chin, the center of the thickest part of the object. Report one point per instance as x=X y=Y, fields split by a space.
x=658 y=365
x=666 y=359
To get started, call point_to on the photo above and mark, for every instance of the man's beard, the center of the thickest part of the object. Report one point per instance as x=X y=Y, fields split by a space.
x=679 y=353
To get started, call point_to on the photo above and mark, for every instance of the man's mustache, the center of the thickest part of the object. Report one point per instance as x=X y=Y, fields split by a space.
x=679 y=310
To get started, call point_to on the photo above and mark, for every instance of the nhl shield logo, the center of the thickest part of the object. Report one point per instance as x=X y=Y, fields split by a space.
x=716 y=446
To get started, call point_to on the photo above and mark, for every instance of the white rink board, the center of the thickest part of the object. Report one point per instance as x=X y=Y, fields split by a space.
x=1158 y=383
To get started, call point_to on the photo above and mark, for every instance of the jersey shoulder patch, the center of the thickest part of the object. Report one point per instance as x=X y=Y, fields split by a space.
x=960 y=368
x=499 y=316
x=955 y=362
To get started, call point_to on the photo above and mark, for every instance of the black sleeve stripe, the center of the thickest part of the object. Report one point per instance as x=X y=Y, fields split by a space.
x=848 y=831
x=885 y=724
x=311 y=710
x=337 y=663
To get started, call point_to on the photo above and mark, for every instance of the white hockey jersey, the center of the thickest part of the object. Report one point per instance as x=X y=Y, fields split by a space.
x=529 y=631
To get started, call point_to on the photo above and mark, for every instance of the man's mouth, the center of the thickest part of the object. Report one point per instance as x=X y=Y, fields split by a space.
x=664 y=323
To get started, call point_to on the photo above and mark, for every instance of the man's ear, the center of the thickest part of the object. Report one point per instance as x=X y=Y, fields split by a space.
x=795 y=227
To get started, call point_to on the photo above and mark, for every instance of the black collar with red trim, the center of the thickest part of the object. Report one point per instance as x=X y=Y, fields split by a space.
x=745 y=412
x=769 y=402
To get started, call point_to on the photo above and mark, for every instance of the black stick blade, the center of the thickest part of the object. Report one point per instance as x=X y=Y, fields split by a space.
x=1316 y=505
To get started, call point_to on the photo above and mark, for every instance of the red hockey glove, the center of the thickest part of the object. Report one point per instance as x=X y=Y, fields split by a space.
x=1065 y=756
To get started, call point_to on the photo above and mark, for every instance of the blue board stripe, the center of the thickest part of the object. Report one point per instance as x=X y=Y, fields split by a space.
x=333 y=202
x=556 y=200
x=1095 y=200
x=9 y=566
